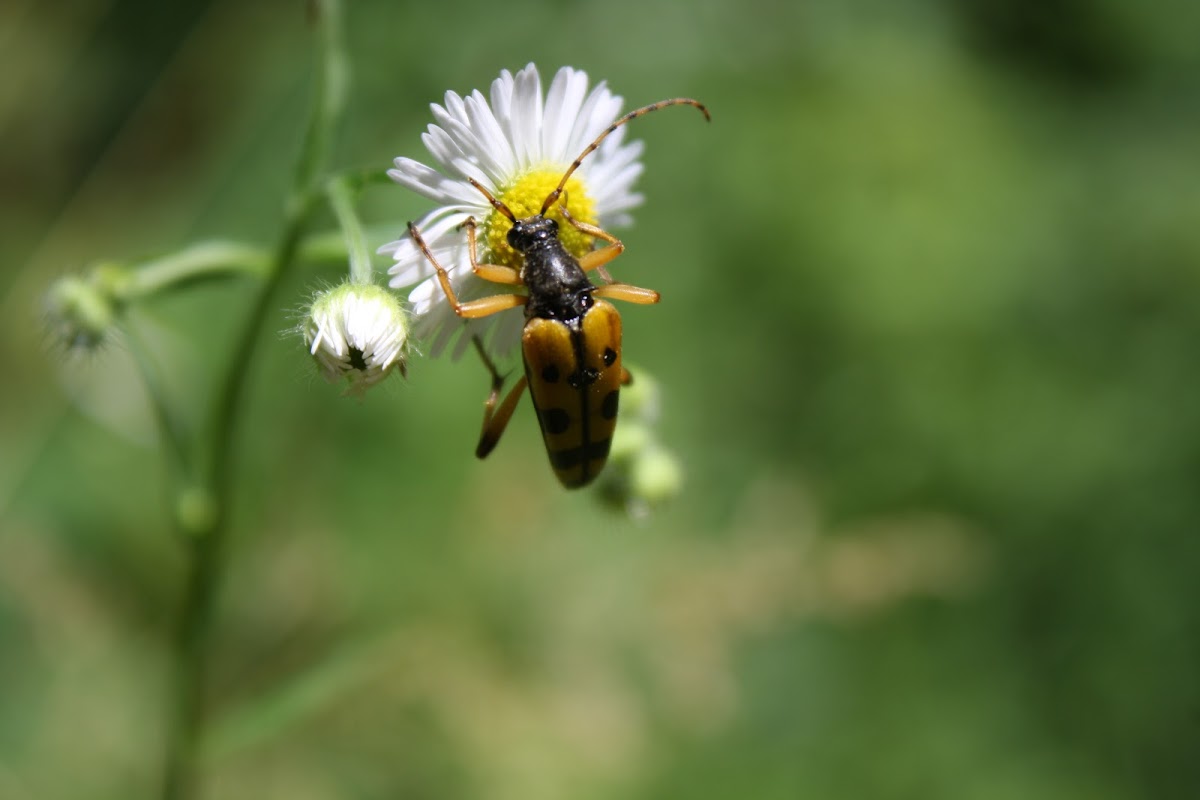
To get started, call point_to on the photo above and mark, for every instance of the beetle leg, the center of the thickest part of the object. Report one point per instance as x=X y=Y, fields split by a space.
x=487 y=306
x=495 y=420
x=626 y=377
x=495 y=273
x=596 y=258
x=627 y=292
x=474 y=309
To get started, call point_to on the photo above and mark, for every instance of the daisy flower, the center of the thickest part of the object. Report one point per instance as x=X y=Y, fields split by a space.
x=358 y=333
x=517 y=146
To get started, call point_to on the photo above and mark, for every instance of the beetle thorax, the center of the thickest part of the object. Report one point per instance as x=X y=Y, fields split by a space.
x=558 y=287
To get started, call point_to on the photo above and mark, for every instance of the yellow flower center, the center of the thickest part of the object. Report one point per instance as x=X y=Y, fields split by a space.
x=524 y=199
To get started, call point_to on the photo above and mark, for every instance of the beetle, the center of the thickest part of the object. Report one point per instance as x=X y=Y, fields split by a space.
x=571 y=342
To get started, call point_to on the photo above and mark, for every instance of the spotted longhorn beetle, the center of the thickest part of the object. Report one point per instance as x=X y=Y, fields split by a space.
x=571 y=343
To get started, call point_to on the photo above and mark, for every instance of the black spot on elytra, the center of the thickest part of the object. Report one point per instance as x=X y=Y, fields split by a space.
x=610 y=356
x=574 y=456
x=555 y=420
x=609 y=407
x=550 y=373
x=583 y=377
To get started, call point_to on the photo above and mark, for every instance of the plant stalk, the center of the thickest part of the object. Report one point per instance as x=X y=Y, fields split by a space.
x=203 y=497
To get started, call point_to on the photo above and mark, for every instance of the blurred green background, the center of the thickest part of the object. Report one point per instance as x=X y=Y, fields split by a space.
x=928 y=347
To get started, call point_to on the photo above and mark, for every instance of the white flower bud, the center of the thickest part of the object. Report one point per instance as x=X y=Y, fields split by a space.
x=357 y=332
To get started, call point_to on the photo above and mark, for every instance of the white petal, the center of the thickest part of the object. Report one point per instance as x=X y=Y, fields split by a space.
x=442 y=330
x=617 y=189
x=605 y=112
x=502 y=103
x=460 y=131
x=584 y=124
x=424 y=224
x=562 y=108
x=454 y=107
x=620 y=219
x=491 y=137
x=464 y=339
x=612 y=143
x=442 y=146
x=614 y=215
x=506 y=333
x=442 y=237
x=429 y=183
x=527 y=117
x=604 y=169
x=469 y=169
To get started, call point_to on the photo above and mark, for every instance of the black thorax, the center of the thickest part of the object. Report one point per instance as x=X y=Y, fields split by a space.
x=558 y=287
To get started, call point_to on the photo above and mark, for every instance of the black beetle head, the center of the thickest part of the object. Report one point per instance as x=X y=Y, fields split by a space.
x=528 y=233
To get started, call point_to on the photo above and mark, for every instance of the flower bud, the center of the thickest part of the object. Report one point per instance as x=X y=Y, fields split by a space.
x=655 y=476
x=641 y=474
x=357 y=332
x=83 y=309
x=641 y=399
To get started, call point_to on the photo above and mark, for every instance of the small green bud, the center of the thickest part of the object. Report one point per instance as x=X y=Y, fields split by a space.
x=641 y=398
x=113 y=280
x=195 y=510
x=83 y=309
x=656 y=476
x=641 y=473
x=641 y=476
x=630 y=439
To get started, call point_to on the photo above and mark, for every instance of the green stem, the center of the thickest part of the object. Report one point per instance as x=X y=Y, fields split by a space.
x=208 y=497
x=328 y=101
x=329 y=247
x=341 y=198
x=203 y=514
x=197 y=262
x=171 y=427
x=219 y=259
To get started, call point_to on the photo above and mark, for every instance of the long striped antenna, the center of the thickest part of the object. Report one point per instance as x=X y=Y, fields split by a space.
x=637 y=112
x=496 y=204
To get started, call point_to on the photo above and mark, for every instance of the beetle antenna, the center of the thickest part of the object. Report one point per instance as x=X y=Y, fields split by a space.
x=496 y=204
x=637 y=112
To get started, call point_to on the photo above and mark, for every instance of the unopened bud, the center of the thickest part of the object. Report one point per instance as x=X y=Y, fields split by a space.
x=357 y=332
x=83 y=309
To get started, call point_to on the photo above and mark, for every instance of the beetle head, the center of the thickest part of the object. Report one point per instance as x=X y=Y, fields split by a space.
x=526 y=234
